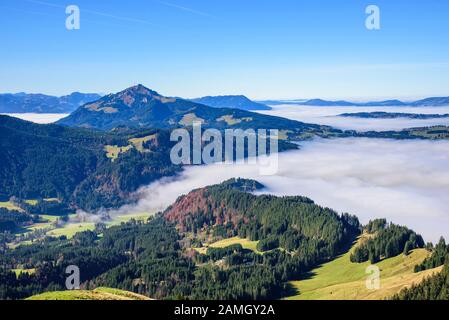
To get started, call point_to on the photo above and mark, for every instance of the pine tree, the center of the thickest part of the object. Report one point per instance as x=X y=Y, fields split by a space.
x=389 y=250
x=408 y=247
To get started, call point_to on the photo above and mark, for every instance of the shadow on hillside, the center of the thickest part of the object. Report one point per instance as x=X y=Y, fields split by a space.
x=292 y=291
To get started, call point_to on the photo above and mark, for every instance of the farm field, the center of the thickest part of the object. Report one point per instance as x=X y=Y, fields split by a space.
x=141 y=216
x=70 y=229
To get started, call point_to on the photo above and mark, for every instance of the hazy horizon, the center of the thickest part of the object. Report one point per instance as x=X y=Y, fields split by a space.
x=354 y=99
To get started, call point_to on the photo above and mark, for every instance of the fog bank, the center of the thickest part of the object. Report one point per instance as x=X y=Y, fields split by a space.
x=41 y=118
x=329 y=116
x=406 y=182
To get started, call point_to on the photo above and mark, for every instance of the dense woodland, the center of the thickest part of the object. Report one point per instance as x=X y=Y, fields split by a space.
x=50 y=161
x=41 y=103
x=154 y=259
x=144 y=258
x=388 y=240
x=440 y=255
x=11 y=220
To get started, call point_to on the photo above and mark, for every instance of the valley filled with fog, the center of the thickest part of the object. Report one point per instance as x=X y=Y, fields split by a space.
x=41 y=118
x=405 y=181
x=329 y=116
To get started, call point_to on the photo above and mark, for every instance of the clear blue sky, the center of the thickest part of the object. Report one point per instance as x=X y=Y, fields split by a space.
x=261 y=48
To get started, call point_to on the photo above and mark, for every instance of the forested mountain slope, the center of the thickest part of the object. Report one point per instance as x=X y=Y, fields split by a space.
x=159 y=259
x=218 y=242
x=41 y=103
x=83 y=168
x=229 y=101
x=140 y=107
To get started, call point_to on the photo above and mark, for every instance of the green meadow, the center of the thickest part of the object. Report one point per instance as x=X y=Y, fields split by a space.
x=340 y=279
x=246 y=244
x=96 y=294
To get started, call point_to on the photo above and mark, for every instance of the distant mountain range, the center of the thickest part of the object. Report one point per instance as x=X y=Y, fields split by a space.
x=41 y=103
x=236 y=102
x=138 y=107
x=428 y=102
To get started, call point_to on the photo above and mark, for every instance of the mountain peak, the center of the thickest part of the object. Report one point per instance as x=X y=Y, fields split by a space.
x=140 y=95
x=141 y=90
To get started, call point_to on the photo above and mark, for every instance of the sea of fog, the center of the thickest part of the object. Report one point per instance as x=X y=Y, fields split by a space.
x=42 y=118
x=329 y=116
x=406 y=182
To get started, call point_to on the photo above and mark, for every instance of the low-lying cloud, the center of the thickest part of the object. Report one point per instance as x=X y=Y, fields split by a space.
x=329 y=116
x=404 y=181
x=41 y=118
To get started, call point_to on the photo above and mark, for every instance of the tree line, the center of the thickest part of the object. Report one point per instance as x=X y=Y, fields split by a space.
x=388 y=240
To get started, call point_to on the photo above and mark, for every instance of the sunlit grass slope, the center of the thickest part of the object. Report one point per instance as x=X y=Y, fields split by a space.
x=341 y=279
x=97 y=294
x=246 y=244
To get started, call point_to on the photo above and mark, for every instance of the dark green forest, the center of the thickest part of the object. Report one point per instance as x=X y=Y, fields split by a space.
x=11 y=220
x=50 y=161
x=440 y=254
x=389 y=241
x=155 y=259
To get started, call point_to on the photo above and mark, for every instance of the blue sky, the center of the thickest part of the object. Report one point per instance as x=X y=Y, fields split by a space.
x=260 y=48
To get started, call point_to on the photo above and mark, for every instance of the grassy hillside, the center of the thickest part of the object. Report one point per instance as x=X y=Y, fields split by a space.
x=341 y=279
x=10 y=206
x=69 y=230
x=246 y=244
x=20 y=271
x=97 y=294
